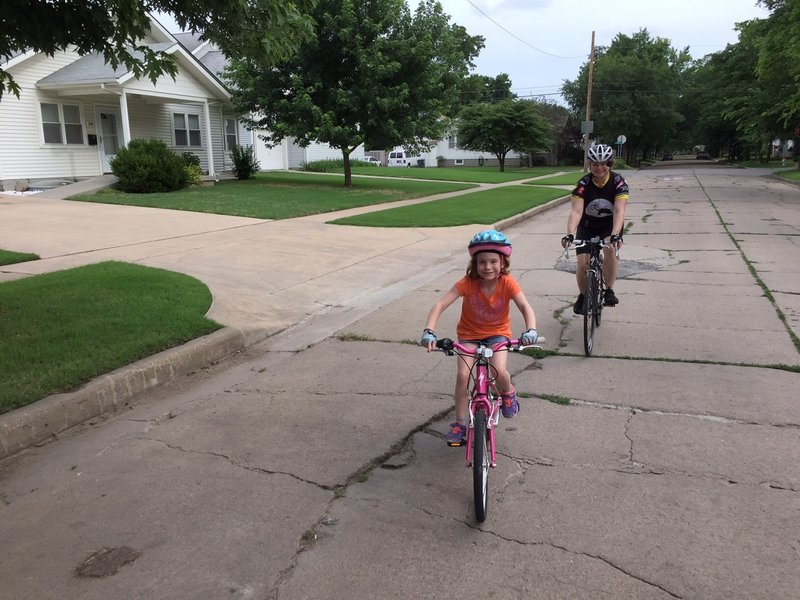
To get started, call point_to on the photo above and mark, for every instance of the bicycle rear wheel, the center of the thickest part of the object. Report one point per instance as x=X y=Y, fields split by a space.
x=480 y=465
x=598 y=303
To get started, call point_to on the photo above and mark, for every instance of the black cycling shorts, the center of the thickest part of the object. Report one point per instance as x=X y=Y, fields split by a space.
x=587 y=233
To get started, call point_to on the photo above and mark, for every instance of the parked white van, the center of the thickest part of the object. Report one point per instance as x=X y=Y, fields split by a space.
x=401 y=158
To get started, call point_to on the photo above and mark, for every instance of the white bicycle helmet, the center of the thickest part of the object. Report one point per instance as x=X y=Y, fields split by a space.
x=600 y=153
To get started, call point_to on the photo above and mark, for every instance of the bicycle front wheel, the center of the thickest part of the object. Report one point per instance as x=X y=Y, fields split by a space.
x=480 y=465
x=589 y=310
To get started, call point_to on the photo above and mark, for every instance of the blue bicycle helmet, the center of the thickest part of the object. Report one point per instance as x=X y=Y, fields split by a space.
x=489 y=240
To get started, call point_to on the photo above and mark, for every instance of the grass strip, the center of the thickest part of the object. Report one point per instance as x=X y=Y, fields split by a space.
x=279 y=195
x=566 y=179
x=469 y=174
x=484 y=207
x=8 y=257
x=62 y=329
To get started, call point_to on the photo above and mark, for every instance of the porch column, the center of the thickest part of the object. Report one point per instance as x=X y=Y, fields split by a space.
x=126 y=126
x=209 y=140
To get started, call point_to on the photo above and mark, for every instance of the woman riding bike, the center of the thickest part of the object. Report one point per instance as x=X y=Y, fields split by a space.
x=598 y=209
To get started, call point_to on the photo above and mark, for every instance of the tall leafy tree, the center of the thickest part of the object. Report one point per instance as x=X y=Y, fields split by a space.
x=778 y=68
x=262 y=29
x=635 y=90
x=500 y=127
x=373 y=73
x=483 y=88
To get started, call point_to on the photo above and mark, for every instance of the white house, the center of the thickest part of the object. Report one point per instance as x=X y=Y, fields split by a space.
x=74 y=112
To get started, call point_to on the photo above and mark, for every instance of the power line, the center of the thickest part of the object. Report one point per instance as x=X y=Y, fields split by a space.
x=519 y=39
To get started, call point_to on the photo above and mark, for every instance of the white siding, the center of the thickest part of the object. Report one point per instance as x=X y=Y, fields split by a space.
x=23 y=153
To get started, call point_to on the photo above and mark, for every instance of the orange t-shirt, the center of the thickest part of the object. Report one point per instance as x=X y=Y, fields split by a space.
x=483 y=317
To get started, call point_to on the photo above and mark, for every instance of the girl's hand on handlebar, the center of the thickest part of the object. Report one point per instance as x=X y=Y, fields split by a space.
x=529 y=337
x=428 y=339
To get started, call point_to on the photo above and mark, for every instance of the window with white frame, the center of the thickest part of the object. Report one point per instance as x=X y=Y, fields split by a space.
x=61 y=123
x=231 y=138
x=187 y=129
x=452 y=142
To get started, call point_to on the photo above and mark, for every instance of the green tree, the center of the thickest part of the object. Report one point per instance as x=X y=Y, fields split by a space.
x=373 y=73
x=778 y=68
x=501 y=127
x=482 y=88
x=261 y=29
x=637 y=81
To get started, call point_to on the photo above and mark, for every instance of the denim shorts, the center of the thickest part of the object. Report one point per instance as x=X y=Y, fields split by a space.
x=490 y=341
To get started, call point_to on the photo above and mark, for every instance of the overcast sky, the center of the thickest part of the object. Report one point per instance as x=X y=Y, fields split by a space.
x=541 y=43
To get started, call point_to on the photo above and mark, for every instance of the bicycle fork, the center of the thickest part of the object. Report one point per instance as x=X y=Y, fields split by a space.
x=484 y=398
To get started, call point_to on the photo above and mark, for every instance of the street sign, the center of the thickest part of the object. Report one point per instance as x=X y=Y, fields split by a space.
x=587 y=126
x=622 y=139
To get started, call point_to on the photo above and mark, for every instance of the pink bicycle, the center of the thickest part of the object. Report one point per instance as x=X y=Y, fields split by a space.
x=484 y=412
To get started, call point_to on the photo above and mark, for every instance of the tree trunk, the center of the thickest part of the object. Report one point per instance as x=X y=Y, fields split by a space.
x=348 y=173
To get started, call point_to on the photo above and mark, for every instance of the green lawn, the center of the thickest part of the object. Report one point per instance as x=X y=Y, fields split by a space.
x=469 y=174
x=484 y=207
x=62 y=329
x=567 y=179
x=7 y=257
x=280 y=195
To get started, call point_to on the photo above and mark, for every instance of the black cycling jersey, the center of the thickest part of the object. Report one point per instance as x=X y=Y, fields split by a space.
x=598 y=202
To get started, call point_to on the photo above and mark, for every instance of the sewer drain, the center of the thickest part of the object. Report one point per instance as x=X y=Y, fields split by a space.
x=106 y=561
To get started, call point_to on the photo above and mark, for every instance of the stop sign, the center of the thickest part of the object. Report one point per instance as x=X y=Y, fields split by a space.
x=797 y=131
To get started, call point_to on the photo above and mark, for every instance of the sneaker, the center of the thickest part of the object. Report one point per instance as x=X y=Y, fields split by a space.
x=509 y=406
x=578 y=308
x=457 y=434
x=610 y=298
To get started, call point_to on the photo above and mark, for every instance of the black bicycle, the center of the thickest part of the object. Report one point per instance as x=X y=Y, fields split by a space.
x=593 y=297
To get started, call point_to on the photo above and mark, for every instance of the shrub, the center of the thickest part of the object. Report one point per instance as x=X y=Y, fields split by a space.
x=193 y=174
x=148 y=166
x=323 y=166
x=244 y=160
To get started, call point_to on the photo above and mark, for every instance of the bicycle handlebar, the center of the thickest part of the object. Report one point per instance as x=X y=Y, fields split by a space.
x=451 y=347
x=602 y=242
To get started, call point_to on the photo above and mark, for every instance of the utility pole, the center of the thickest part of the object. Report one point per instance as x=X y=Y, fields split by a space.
x=587 y=125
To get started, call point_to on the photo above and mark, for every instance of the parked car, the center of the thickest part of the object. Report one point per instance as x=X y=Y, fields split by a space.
x=703 y=155
x=371 y=160
x=667 y=156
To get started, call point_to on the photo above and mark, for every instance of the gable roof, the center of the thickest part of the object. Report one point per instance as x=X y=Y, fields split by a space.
x=93 y=69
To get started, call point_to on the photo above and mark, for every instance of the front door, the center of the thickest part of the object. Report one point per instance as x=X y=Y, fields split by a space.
x=109 y=135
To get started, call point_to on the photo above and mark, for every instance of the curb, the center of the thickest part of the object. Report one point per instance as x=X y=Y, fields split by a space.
x=43 y=420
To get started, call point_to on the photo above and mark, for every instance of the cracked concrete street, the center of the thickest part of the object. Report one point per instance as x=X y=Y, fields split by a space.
x=312 y=465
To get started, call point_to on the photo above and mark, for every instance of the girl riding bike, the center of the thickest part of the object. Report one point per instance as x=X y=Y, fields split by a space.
x=487 y=290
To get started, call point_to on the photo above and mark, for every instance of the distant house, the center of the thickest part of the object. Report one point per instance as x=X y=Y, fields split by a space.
x=74 y=112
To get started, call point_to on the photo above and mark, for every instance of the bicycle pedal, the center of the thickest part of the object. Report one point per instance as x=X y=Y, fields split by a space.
x=458 y=444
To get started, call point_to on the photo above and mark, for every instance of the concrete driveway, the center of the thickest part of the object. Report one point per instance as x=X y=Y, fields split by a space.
x=312 y=465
